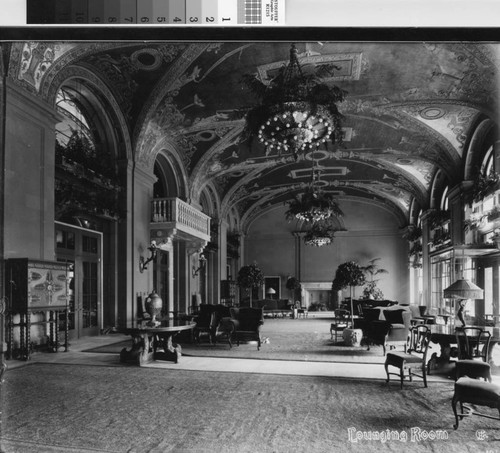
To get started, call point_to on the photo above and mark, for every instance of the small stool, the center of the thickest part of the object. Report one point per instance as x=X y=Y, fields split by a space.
x=474 y=391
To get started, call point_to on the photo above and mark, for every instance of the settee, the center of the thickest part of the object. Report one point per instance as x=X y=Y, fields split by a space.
x=274 y=307
x=385 y=326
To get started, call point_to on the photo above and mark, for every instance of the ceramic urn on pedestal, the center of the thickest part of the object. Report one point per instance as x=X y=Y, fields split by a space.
x=153 y=305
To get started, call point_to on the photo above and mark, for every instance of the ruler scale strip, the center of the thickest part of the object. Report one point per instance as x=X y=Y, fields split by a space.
x=156 y=12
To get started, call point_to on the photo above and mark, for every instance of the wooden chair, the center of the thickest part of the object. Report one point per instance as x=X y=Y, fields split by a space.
x=340 y=322
x=473 y=348
x=414 y=357
x=469 y=389
x=477 y=343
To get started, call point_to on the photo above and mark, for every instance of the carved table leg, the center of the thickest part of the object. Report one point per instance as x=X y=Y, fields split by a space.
x=140 y=352
x=439 y=362
x=171 y=351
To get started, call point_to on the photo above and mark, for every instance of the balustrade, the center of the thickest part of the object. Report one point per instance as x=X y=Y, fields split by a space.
x=167 y=210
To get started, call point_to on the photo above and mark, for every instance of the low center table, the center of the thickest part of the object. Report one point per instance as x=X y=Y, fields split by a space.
x=154 y=343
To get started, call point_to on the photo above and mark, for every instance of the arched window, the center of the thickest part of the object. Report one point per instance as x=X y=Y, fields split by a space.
x=87 y=184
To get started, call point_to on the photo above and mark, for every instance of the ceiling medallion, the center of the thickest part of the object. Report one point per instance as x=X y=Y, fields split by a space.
x=297 y=113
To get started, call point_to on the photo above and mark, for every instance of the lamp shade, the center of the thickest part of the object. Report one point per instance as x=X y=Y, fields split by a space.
x=271 y=291
x=463 y=289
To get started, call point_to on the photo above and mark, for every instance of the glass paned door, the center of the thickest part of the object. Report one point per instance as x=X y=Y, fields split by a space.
x=82 y=249
x=90 y=296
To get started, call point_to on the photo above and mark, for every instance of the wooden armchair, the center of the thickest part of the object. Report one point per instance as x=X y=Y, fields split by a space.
x=247 y=323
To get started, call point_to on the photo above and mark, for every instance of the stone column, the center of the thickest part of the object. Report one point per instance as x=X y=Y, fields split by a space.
x=426 y=261
x=28 y=164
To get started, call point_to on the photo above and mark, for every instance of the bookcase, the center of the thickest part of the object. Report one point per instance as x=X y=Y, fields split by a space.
x=37 y=296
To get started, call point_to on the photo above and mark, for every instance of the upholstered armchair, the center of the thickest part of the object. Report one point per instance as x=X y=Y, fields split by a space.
x=208 y=321
x=246 y=324
x=400 y=327
x=387 y=327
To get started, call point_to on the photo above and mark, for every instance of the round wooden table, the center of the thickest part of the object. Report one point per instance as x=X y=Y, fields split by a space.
x=445 y=337
x=154 y=343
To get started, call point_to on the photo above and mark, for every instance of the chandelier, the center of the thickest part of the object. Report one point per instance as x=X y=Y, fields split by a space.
x=321 y=233
x=297 y=113
x=313 y=205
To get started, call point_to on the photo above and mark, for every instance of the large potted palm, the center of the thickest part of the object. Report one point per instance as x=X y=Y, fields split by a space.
x=250 y=277
x=371 y=289
x=349 y=275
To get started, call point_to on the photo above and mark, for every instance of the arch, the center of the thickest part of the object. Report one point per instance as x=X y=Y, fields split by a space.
x=168 y=167
x=95 y=96
x=415 y=212
x=168 y=183
x=481 y=141
x=438 y=187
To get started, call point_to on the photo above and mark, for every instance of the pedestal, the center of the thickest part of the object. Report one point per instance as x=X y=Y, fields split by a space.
x=352 y=337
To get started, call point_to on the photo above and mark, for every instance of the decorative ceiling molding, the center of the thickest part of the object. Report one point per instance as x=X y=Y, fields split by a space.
x=165 y=89
x=329 y=68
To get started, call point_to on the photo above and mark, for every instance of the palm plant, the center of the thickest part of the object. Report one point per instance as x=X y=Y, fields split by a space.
x=371 y=290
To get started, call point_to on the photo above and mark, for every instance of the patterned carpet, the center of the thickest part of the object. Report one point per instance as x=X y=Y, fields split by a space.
x=284 y=339
x=81 y=408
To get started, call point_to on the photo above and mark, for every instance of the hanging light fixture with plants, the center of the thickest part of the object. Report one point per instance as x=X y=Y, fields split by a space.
x=321 y=233
x=313 y=205
x=297 y=113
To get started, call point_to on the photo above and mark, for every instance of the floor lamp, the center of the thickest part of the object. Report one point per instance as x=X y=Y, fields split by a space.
x=462 y=290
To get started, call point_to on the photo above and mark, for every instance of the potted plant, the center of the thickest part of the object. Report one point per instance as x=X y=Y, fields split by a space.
x=293 y=285
x=350 y=274
x=250 y=277
x=371 y=290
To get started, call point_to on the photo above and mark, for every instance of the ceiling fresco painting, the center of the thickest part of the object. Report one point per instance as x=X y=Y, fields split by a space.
x=409 y=111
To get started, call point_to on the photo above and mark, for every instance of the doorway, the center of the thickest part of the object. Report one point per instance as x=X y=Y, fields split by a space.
x=81 y=249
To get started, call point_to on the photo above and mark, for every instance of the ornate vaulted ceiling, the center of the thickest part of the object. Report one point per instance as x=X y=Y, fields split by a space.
x=409 y=111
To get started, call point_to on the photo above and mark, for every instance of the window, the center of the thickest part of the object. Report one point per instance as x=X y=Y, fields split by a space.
x=86 y=178
x=440 y=279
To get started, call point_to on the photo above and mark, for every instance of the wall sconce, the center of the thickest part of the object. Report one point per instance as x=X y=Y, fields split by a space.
x=201 y=266
x=143 y=263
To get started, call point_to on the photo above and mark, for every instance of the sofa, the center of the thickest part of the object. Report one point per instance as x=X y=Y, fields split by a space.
x=385 y=326
x=274 y=307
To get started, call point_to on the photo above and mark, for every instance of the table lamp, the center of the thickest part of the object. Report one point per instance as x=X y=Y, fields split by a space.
x=463 y=290
x=271 y=292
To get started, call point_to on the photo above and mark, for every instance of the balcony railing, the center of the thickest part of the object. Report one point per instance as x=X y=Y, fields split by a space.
x=180 y=215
